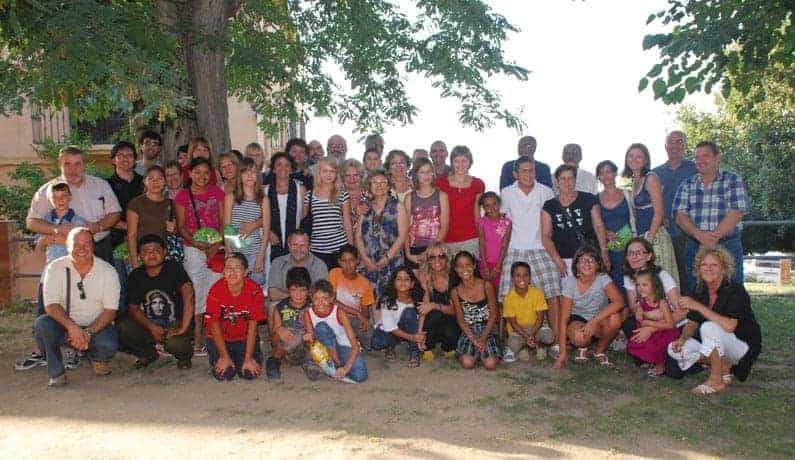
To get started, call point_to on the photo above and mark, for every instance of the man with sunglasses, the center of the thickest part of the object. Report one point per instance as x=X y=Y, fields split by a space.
x=81 y=297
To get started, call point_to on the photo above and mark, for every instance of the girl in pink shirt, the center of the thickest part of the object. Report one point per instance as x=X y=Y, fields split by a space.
x=494 y=233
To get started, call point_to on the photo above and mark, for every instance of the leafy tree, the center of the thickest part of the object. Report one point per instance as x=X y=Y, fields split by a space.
x=761 y=148
x=173 y=63
x=734 y=43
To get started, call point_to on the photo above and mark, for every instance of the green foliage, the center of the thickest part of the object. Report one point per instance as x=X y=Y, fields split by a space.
x=27 y=177
x=761 y=147
x=733 y=43
x=284 y=57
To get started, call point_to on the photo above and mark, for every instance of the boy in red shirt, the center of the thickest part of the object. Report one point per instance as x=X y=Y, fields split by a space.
x=234 y=306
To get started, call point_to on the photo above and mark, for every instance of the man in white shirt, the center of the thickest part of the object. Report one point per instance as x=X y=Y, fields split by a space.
x=92 y=199
x=522 y=202
x=81 y=297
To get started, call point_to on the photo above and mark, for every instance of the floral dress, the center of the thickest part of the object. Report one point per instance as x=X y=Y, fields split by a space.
x=379 y=232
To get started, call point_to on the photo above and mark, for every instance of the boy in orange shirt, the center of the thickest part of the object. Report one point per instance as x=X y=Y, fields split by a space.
x=354 y=293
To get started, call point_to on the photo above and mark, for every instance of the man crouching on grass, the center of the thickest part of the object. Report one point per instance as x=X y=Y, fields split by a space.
x=160 y=298
x=81 y=297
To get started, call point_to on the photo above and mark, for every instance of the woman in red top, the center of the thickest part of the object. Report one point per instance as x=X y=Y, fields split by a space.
x=463 y=192
x=235 y=304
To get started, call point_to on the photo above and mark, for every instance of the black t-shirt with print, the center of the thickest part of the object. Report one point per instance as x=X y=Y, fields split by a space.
x=571 y=225
x=159 y=297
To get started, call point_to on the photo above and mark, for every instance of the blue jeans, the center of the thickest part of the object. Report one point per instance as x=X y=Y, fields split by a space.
x=50 y=336
x=326 y=336
x=237 y=351
x=733 y=245
x=409 y=323
x=121 y=270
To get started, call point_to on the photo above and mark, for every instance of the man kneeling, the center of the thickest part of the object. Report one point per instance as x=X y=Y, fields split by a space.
x=160 y=297
x=81 y=297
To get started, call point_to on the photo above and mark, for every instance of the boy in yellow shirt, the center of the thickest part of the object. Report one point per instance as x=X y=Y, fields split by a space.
x=524 y=308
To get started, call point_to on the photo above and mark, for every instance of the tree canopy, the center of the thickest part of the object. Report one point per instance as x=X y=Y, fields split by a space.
x=173 y=63
x=734 y=43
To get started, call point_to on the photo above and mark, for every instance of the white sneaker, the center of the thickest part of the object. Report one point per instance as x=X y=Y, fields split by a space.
x=554 y=351
x=508 y=356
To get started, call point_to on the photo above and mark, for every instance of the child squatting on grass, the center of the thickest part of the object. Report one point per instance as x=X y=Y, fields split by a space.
x=328 y=324
x=398 y=320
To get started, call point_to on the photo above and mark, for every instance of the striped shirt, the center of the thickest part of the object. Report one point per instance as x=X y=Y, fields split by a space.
x=248 y=211
x=709 y=205
x=328 y=234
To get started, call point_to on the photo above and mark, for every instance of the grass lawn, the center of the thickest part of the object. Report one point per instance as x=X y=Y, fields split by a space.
x=618 y=410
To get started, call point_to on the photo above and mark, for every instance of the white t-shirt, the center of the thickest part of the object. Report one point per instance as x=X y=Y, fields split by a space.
x=390 y=318
x=524 y=210
x=101 y=287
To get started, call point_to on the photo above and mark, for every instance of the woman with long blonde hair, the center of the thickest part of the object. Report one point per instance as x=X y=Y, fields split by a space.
x=329 y=208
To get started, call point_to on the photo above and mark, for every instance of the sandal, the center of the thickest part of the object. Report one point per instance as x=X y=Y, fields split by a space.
x=652 y=373
x=390 y=354
x=727 y=379
x=704 y=389
x=603 y=360
x=414 y=361
x=582 y=355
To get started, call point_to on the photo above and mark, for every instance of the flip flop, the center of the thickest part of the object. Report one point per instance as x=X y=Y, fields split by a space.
x=727 y=379
x=603 y=360
x=704 y=389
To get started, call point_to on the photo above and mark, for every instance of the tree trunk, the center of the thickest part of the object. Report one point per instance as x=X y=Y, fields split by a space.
x=205 y=58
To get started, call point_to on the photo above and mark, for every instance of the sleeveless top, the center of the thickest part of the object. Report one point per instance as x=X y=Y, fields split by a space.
x=475 y=312
x=333 y=322
x=644 y=211
x=248 y=211
x=617 y=217
x=328 y=235
x=426 y=219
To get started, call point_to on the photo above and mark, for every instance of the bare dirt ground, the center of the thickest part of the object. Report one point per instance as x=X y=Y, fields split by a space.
x=437 y=411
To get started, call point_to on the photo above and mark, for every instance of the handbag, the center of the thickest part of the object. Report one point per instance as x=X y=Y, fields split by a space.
x=664 y=252
x=174 y=249
x=306 y=222
x=216 y=262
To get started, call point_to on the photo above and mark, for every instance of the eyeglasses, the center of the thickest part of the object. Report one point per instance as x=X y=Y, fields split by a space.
x=636 y=253
x=82 y=290
x=437 y=256
x=586 y=260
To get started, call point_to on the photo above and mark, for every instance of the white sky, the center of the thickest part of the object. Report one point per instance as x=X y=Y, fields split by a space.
x=585 y=59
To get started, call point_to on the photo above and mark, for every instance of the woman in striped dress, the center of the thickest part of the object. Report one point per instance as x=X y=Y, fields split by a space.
x=245 y=208
x=330 y=210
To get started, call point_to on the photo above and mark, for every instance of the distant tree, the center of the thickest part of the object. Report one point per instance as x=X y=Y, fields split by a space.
x=734 y=43
x=173 y=63
x=761 y=148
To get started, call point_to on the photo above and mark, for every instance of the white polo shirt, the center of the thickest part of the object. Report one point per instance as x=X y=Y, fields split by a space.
x=525 y=213
x=101 y=286
x=92 y=201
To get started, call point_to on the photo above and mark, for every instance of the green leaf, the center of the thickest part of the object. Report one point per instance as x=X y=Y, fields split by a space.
x=691 y=84
x=659 y=87
x=644 y=82
x=655 y=71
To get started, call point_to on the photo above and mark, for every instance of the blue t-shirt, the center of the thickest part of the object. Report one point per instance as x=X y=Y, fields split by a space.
x=670 y=180
x=55 y=251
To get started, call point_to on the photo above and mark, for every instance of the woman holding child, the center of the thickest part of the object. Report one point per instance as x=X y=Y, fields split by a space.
x=590 y=309
x=721 y=330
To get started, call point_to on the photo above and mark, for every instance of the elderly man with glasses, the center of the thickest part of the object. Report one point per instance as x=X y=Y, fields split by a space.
x=81 y=297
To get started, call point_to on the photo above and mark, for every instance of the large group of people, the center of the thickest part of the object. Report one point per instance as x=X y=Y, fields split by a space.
x=329 y=252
